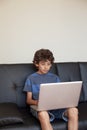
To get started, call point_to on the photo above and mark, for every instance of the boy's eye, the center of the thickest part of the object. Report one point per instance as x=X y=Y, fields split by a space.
x=49 y=64
x=45 y=63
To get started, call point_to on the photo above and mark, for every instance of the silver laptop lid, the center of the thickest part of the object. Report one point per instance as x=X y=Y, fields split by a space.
x=59 y=95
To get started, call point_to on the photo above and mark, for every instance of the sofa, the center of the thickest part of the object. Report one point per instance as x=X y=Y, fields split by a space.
x=15 y=113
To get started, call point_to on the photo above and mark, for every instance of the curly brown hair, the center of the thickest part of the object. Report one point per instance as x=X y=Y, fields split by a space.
x=43 y=55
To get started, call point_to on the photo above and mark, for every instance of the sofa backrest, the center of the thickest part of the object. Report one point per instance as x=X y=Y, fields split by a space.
x=83 y=71
x=13 y=76
x=70 y=71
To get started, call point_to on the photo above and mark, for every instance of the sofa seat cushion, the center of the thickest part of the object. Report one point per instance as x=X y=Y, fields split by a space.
x=82 y=108
x=9 y=114
x=31 y=123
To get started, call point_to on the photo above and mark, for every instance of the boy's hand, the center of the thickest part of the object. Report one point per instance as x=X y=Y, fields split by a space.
x=36 y=102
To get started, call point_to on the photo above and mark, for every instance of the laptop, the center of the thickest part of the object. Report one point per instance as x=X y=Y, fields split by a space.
x=58 y=95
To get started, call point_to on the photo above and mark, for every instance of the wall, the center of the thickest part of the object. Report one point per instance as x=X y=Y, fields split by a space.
x=28 y=25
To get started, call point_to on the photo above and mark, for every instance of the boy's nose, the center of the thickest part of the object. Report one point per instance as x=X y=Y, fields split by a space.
x=46 y=67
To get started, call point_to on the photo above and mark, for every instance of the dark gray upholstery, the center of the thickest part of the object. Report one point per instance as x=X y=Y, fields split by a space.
x=9 y=114
x=83 y=70
x=70 y=71
x=12 y=79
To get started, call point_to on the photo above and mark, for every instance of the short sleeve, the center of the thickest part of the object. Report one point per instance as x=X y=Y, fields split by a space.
x=27 y=86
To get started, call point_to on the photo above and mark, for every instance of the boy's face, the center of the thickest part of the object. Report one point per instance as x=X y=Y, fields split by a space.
x=43 y=66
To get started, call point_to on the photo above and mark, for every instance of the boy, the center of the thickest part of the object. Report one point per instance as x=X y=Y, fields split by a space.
x=43 y=60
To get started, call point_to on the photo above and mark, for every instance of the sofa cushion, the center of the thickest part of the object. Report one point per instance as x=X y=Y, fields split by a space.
x=11 y=74
x=9 y=114
x=69 y=71
x=20 y=96
x=83 y=70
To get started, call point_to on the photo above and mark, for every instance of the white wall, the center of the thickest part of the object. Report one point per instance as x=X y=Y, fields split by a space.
x=28 y=25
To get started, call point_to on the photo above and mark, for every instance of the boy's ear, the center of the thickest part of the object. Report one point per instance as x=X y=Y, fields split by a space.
x=36 y=65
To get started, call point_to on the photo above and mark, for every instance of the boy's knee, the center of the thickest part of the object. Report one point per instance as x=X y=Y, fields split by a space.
x=73 y=113
x=42 y=115
x=73 y=110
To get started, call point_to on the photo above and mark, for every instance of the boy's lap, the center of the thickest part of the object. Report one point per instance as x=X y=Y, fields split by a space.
x=59 y=114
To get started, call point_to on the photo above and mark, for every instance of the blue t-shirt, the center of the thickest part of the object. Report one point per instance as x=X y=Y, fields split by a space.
x=33 y=82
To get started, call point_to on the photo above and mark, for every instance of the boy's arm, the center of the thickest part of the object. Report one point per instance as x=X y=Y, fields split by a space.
x=29 y=100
